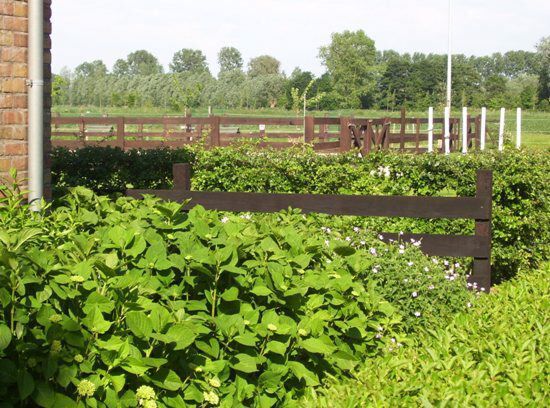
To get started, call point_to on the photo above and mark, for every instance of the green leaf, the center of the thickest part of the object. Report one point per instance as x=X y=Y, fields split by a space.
x=245 y=363
x=139 y=324
x=277 y=347
x=302 y=373
x=167 y=379
x=259 y=290
x=317 y=346
x=182 y=334
x=246 y=339
x=95 y=322
x=5 y=337
x=25 y=384
x=230 y=294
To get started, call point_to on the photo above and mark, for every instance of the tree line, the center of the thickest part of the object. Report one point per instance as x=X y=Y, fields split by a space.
x=357 y=76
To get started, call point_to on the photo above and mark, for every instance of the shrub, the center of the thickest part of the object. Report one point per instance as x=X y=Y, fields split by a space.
x=135 y=303
x=110 y=171
x=496 y=355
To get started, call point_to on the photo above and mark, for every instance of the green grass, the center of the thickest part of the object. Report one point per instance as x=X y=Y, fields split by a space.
x=535 y=125
x=495 y=355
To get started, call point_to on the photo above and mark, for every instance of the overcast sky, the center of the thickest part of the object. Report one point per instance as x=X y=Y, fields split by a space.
x=290 y=30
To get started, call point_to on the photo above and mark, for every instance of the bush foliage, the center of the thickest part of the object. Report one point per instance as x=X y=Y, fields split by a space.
x=495 y=355
x=520 y=192
x=136 y=303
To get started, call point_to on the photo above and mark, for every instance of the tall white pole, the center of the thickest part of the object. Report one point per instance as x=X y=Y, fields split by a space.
x=447 y=130
x=430 y=130
x=501 y=130
x=449 y=56
x=464 y=130
x=518 y=129
x=483 y=128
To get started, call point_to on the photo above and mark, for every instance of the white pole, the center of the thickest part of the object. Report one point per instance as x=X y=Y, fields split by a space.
x=464 y=130
x=518 y=131
x=449 y=56
x=483 y=128
x=447 y=130
x=501 y=130
x=430 y=130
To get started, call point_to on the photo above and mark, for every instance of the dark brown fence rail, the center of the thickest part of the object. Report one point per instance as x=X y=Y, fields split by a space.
x=328 y=135
x=478 y=208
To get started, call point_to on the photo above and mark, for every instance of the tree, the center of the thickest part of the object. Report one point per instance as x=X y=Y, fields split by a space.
x=190 y=61
x=121 y=68
x=263 y=65
x=543 y=51
x=142 y=62
x=94 y=69
x=60 y=90
x=229 y=59
x=351 y=61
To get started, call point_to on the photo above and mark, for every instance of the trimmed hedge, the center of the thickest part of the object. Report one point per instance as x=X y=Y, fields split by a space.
x=496 y=355
x=521 y=212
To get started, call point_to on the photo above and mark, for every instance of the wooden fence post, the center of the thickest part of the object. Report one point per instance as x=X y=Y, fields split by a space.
x=215 y=132
x=501 y=130
x=181 y=173
x=518 y=129
x=481 y=273
x=403 y=129
x=483 y=131
x=345 y=139
x=120 y=132
x=465 y=126
x=430 y=130
x=309 y=129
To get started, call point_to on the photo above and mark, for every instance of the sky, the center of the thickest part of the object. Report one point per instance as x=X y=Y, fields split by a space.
x=290 y=30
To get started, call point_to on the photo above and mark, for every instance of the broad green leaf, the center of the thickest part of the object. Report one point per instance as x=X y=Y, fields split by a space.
x=25 y=384
x=5 y=337
x=230 y=294
x=317 y=346
x=140 y=324
x=302 y=373
x=244 y=363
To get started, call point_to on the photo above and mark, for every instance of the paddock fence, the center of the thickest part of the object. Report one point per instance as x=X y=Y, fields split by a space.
x=325 y=134
x=478 y=208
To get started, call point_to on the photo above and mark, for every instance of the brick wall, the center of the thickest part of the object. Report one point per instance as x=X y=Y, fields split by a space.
x=13 y=89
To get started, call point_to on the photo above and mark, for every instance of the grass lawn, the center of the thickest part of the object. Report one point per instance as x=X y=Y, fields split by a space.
x=495 y=355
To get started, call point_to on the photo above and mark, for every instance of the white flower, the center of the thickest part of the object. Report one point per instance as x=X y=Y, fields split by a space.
x=435 y=261
x=327 y=242
x=381 y=237
x=375 y=270
x=348 y=239
x=431 y=287
x=373 y=251
x=410 y=263
x=401 y=251
x=414 y=294
x=426 y=269
x=356 y=229
x=393 y=340
x=378 y=336
x=362 y=242
x=405 y=281
x=446 y=263
x=380 y=328
x=224 y=220
x=417 y=314
x=469 y=304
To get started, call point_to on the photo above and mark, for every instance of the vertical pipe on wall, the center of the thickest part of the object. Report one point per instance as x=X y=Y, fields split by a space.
x=36 y=102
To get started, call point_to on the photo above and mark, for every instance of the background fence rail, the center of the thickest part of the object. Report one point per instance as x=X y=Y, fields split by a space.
x=329 y=135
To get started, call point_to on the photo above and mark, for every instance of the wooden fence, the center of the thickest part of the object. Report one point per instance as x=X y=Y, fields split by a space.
x=329 y=135
x=478 y=208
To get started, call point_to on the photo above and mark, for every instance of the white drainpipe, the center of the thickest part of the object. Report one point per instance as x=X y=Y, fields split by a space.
x=35 y=85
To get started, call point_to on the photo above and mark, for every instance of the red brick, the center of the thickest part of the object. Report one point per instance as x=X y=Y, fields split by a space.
x=19 y=24
x=6 y=38
x=6 y=8
x=20 y=70
x=16 y=149
x=20 y=102
x=13 y=85
x=19 y=163
x=14 y=54
x=5 y=69
x=14 y=117
x=13 y=132
x=20 y=9
x=5 y=164
x=20 y=39
x=6 y=101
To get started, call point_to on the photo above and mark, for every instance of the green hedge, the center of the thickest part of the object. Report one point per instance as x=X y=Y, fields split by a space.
x=521 y=211
x=521 y=193
x=110 y=171
x=136 y=303
x=494 y=356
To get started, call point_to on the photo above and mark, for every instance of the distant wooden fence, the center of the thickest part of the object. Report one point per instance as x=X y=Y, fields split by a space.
x=324 y=134
x=478 y=208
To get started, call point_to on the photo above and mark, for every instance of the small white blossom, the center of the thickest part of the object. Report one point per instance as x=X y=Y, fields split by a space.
x=410 y=263
x=224 y=220
x=415 y=294
x=417 y=314
x=373 y=251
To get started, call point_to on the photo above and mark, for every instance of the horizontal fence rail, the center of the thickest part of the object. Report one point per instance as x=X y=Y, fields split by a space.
x=329 y=135
x=478 y=208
